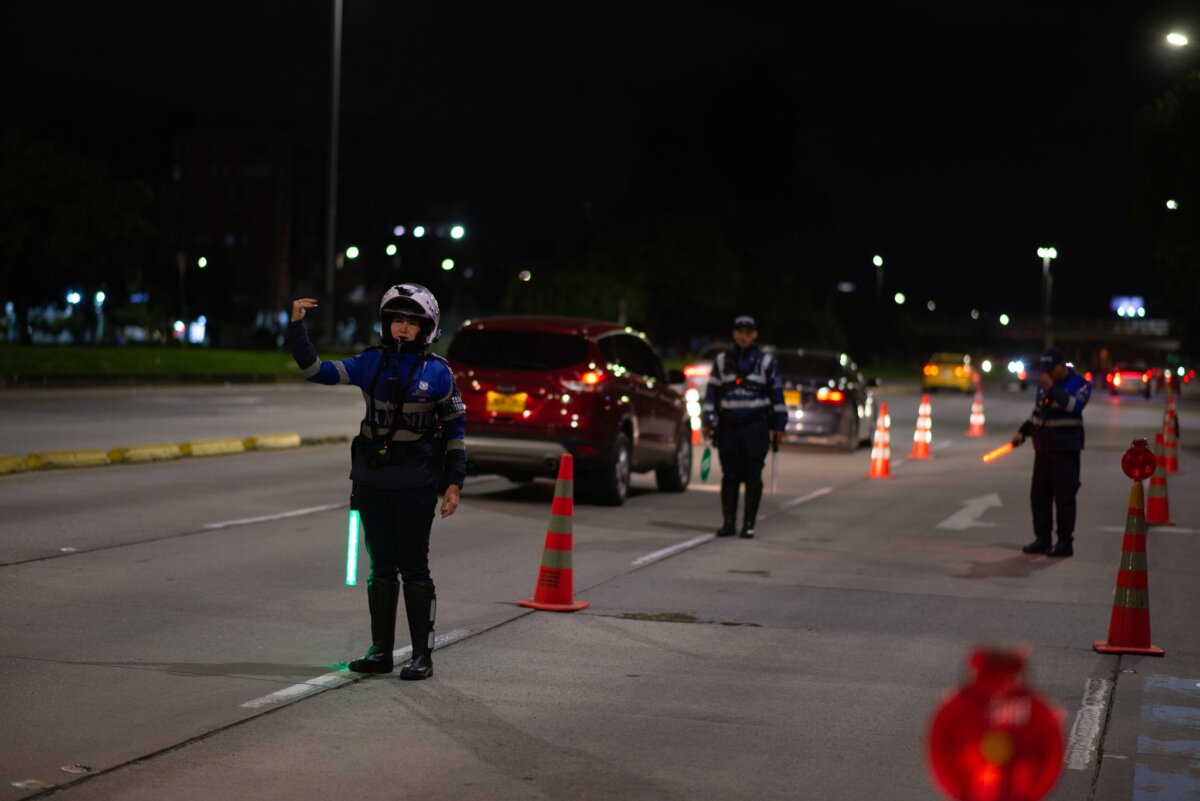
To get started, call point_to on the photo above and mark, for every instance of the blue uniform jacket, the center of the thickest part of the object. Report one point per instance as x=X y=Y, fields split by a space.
x=744 y=386
x=1056 y=423
x=432 y=403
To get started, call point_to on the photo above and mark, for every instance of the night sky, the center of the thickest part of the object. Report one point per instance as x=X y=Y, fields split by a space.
x=952 y=138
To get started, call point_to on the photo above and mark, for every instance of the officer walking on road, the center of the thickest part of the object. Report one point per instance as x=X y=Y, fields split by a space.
x=410 y=445
x=744 y=414
x=1056 y=426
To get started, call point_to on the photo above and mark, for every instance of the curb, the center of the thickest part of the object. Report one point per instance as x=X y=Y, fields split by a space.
x=134 y=454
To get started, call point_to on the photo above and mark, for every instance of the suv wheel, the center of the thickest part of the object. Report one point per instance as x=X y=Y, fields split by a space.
x=675 y=476
x=612 y=487
x=850 y=444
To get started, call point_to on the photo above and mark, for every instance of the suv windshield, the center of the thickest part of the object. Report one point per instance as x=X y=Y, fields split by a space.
x=517 y=350
x=794 y=365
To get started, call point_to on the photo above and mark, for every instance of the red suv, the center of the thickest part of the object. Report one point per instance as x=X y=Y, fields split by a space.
x=540 y=387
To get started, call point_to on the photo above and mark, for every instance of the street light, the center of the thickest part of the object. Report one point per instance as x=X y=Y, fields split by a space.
x=457 y=232
x=1177 y=39
x=1046 y=255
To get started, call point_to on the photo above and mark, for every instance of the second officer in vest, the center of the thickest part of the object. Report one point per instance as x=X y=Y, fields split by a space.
x=744 y=415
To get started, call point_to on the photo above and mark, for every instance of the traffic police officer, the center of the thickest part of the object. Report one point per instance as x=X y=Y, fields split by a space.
x=745 y=413
x=1056 y=426
x=410 y=445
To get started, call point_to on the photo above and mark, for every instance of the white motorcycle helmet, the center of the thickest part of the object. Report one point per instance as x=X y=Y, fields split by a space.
x=411 y=300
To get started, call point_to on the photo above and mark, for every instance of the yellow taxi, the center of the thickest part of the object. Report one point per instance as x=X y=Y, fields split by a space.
x=948 y=370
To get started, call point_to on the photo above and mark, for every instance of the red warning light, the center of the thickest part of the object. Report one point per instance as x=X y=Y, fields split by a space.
x=1139 y=461
x=994 y=739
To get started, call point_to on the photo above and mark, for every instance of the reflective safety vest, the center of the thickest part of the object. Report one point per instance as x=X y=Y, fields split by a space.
x=743 y=387
x=1056 y=423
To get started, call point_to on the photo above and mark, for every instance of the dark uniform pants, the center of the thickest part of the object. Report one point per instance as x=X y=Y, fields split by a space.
x=743 y=449
x=1055 y=483
x=397 y=523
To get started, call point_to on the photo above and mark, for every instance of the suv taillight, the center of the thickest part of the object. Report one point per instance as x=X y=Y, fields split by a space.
x=587 y=381
x=830 y=396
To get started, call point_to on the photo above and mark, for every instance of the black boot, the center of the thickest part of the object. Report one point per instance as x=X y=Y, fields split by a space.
x=420 y=604
x=383 y=594
x=1037 y=546
x=754 y=491
x=729 y=499
x=1064 y=547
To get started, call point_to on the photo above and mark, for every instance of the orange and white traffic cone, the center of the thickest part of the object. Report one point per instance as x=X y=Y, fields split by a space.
x=923 y=436
x=1170 y=443
x=1129 y=626
x=1158 y=511
x=555 y=583
x=881 y=446
x=976 y=429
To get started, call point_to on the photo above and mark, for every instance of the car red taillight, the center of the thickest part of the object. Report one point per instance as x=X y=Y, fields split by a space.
x=587 y=381
x=830 y=396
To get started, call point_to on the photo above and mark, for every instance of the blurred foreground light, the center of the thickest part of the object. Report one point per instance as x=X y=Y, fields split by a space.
x=457 y=232
x=524 y=275
x=1177 y=39
x=100 y=297
x=931 y=306
x=447 y=264
x=1172 y=205
x=846 y=287
x=73 y=297
x=419 y=231
x=899 y=298
x=391 y=250
x=399 y=230
x=1004 y=319
x=352 y=252
x=974 y=314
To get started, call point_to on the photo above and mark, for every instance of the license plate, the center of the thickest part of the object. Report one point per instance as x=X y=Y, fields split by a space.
x=791 y=397
x=505 y=403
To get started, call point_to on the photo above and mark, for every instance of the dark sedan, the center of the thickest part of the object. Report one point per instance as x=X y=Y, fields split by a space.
x=827 y=396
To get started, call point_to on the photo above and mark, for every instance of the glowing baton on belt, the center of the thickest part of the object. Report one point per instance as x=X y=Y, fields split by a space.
x=352 y=549
x=1003 y=450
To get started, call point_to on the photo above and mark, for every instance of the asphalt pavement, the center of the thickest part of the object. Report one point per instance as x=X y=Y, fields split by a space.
x=171 y=630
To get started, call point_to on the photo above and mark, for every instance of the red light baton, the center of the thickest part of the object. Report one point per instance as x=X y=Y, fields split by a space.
x=1003 y=450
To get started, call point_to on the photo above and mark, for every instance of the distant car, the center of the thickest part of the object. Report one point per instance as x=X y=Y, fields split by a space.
x=948 y=371
x=1129 y=378
x=537 y=388
x=828 y=399
x=1023 y=370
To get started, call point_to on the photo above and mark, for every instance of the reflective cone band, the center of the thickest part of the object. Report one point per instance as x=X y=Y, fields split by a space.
x=976 y=429
x=1170 y=443
x=1158 y=511
x=555 y=583
x=1129 y=627
x=881 y=447
x=924 y=433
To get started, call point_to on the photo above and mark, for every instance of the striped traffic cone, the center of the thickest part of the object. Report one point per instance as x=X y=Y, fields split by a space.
x=976 y=429
x=881 y=446
x=1170 y=443
x=924 y=433
x=555 y=583
x=1158 y=511
x=1129 y=626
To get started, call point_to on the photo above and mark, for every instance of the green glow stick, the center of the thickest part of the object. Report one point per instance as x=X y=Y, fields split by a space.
x=352 y=549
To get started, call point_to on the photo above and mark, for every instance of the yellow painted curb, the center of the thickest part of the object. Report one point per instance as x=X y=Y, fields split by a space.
x=286 y=439
x=11 y=464
x=83 y=458
x=212 y=447
x=146 y=453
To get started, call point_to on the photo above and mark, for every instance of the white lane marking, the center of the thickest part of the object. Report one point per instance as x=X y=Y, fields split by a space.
x=676 y=548
x=281 y=516
x=1180 y=529
x=794 y=502
x=1085 y=732
x=339 y=677
x=941 y=444
x=968 y=516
